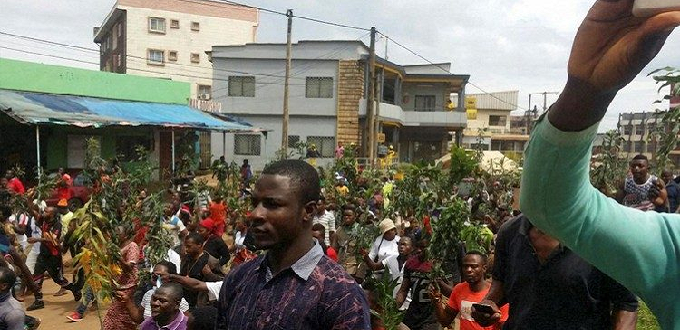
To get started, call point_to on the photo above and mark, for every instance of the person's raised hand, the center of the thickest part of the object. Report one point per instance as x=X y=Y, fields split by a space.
x=610 y=48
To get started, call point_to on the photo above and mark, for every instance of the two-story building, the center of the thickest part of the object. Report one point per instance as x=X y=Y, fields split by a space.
x=490 y=125
x=328 y=91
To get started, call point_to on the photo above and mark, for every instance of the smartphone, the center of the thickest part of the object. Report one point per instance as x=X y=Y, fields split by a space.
x=647 y=8
x=483 y=308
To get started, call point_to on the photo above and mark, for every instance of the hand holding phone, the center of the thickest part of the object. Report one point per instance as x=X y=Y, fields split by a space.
x=483 y=308
x=647 y=8
x=486 y=313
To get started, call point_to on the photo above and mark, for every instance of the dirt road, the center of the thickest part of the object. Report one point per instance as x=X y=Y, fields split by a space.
x=56 y=309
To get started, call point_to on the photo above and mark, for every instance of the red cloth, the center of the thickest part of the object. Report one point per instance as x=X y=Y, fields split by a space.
x=209 y=224
x=461 y=301
x=64 y=193
x=16 y=186
x=218 y=213
x=330 y=252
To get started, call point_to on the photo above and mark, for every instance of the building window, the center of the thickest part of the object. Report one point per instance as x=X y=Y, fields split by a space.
x=247 y=144
x=626 y=146
x=639 y=147
x=319 y=87
x=651 y=128
x=627 y=130
x=242 y=86
x=425 y=103
x=155 y=57
x=324 y=144
x=204 y=92
x=174 y=24
x=114 y=41
x=497 y=120
x=640 y=129
x=157 y=24
x=120 y=30
x=195 y=26
x=292 y=140
x=172 y=55
x=195 y=58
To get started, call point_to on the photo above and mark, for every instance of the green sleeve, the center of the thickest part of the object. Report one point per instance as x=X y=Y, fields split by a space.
x=639 y=249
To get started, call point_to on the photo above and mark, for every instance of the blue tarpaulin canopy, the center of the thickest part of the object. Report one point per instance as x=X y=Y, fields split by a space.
x=39 y=109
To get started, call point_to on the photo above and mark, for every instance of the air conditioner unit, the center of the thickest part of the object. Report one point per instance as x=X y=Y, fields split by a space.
x=204 y=97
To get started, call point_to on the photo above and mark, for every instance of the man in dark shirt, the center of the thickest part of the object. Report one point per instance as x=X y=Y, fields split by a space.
x=194 y=265
x=550 y=287
x=294 y=285
x=49 y=258
x=420 y=314
x=673 y=190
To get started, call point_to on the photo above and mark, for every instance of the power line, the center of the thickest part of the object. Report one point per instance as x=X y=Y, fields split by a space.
x=133 y=69
x=443 y=69
x=54 y=43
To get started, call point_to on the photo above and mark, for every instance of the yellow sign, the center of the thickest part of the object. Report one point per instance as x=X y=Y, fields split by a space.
x=471 y=114
x=381 y=137
x=470 y=102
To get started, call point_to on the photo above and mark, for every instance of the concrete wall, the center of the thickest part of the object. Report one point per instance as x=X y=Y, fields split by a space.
x=413 y=89
x=212 y=31
x=56 y=79
x=269 y=90
x=302 y=126
x=482 y=121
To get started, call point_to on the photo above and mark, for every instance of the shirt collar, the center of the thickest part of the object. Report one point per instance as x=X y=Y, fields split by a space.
x=174 y=324
x=526 y=225
x=304 y=266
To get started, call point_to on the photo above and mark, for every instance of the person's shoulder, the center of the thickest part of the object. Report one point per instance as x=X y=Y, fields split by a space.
x=242 y=270
x=512 y=225
x=331 y=274
x=460 y=288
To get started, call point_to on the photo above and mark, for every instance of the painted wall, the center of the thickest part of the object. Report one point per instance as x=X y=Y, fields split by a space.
x=410 y=90
x=269 y=90
x=56 y=151
x=212 y=31
x=56 y=79
x=298 y=125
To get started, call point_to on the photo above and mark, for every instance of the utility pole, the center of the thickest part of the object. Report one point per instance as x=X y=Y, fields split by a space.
x=284 y=129
x=371 y=103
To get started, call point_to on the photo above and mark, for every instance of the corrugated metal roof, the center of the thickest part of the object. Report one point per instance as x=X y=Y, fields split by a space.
x=497 y=100
x=38 y=108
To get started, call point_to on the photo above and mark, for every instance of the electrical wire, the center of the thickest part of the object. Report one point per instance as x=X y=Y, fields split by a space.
x=443 y=69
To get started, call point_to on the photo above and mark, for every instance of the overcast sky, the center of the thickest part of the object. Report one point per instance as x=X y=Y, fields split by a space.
x=504 y=45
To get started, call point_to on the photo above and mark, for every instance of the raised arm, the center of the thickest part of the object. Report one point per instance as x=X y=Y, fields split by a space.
x=640 y=250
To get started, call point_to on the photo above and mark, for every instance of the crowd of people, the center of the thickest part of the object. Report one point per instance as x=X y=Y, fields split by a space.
x=299 y=258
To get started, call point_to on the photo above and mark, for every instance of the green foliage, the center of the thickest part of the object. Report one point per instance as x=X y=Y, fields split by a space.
x=610 y=165
x=386 y=310
x=667 y=133
x=118 y=200
x=463 y=165
x=646 y=320
x=297 y=151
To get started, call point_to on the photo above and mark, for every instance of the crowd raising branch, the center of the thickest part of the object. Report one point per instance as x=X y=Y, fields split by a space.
x=348 y=246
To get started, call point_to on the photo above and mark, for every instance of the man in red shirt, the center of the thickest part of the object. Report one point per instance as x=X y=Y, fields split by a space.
x=13 y=183
x=473 y=290
x=218 y=214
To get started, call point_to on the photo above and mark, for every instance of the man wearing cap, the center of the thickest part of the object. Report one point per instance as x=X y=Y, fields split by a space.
x=214 y=244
